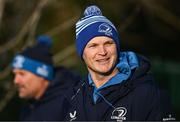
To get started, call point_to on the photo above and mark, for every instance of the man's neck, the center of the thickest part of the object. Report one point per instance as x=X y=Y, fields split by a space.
x=99 y=79
x=41 y=92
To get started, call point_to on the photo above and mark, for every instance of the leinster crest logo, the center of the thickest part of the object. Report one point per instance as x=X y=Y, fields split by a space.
x=119 y=114
x=18 y=61
x=106 y=29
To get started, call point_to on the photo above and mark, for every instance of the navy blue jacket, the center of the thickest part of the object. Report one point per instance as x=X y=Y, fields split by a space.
x=136 y=99
x=53 y=105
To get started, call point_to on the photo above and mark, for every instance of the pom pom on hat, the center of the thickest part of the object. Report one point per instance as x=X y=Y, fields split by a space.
x=94 y=24
x=44 y=40
x=92 y=11
x=41 y=50
x=37 y=59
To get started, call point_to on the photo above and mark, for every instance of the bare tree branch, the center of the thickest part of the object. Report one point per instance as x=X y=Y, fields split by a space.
x=9 y=95
x=63 y=26
x=34 y=21
x=161 y=13
x=16 y=40
x=129 y=19
x=63 y=54
x=5 y=72
x=2 y=4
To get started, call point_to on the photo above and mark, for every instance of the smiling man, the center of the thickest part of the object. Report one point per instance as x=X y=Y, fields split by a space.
x=100 y=56
x=119 y=86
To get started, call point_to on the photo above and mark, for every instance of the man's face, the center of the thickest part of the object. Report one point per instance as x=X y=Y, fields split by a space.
x=100 y=55
x=29 y=85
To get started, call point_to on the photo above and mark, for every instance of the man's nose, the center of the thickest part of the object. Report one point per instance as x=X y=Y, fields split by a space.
x=102 y=50
x=16 y=79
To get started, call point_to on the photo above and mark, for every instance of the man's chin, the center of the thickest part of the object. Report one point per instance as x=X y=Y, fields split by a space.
x=105 y=73
x=23 y=96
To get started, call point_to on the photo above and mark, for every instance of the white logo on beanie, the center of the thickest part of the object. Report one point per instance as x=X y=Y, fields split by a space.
x=42 y=70
x=106 y=29
x=18 y=62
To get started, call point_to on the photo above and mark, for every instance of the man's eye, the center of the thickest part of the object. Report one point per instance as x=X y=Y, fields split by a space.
x=21 y=73
x=92 y=46
x=110 y=43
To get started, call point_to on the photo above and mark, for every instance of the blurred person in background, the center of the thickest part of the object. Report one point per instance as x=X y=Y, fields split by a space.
x=40 y=84
x=119 y=86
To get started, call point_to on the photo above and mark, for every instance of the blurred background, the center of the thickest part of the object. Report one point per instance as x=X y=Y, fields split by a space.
x=148 y=27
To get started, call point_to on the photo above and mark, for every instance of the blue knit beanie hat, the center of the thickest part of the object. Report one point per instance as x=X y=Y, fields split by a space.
x=94 y=24
x=37 y=59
